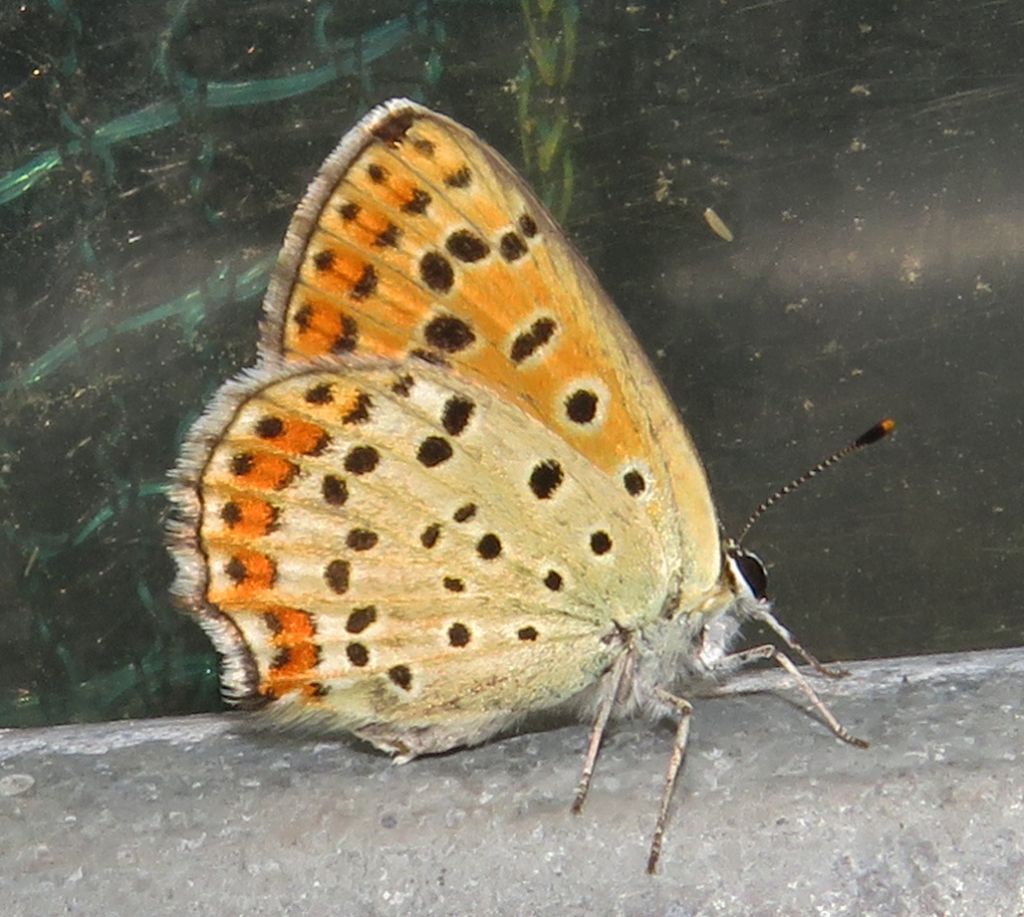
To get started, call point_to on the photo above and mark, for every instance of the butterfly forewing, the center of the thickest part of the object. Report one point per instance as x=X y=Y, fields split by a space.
x=419 y=239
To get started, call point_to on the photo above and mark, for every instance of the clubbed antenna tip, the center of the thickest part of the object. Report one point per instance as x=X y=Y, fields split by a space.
x=879 y=431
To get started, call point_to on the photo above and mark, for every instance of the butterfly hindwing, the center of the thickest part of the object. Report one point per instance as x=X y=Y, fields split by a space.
x=369 y=557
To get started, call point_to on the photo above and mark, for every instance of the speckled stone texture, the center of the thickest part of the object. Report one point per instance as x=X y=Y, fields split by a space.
x=772 y=816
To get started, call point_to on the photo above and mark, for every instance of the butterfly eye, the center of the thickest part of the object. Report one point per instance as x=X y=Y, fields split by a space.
x=752 y=570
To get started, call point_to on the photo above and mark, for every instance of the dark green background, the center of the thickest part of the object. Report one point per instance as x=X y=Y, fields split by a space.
x=867 y=157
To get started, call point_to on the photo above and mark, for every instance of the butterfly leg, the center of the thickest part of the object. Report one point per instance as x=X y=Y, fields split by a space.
x=684 y=710
x=735 y=660
x=612 y=686
x=770 y=621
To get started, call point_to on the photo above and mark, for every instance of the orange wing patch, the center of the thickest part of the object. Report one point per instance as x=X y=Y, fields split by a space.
x=247 y=575
x=262 y=470
x=292 y=434
x=292 y=634
x=248 y=517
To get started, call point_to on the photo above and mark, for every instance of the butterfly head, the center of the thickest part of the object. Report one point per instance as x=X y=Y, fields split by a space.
x=745 y=572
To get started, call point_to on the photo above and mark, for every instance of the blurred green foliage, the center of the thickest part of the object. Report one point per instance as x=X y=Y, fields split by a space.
x=151 y=156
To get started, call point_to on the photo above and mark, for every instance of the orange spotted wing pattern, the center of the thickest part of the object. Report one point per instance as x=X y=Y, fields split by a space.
x=452 y=492
x=420 y=263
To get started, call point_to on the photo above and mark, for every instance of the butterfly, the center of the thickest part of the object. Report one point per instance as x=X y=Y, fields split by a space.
x=452 y=492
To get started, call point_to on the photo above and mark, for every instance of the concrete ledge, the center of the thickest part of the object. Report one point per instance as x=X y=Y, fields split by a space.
x=772 y=815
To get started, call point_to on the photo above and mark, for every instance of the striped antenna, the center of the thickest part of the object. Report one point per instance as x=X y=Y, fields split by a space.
x=879 y=431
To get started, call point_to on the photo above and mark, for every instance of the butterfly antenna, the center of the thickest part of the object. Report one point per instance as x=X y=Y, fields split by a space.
x=879 y=431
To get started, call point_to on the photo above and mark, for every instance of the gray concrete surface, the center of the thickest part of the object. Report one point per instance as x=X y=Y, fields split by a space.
x=772 y=815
